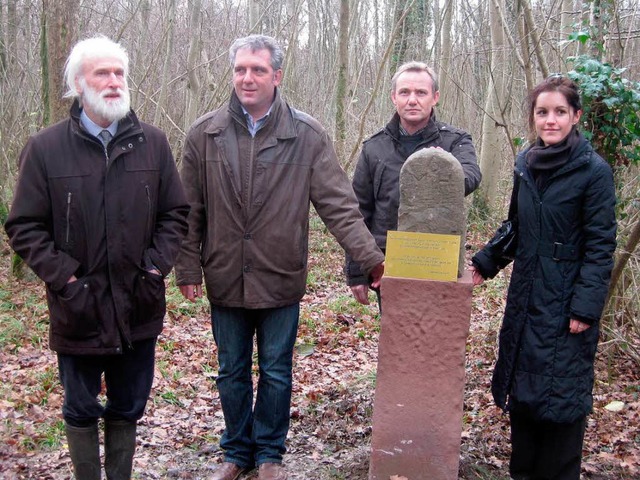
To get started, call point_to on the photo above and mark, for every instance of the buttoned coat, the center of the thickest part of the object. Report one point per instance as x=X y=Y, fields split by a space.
x=105 y=215
x=561 y=271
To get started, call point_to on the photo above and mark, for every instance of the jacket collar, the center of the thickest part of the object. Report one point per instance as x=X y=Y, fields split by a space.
x=126 y=124
x=280 y=120
x=393 y=127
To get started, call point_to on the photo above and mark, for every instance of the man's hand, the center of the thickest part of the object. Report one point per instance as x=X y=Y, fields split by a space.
x=376 y=275
x=191 y=292
x=576 y=326
x=361 y=293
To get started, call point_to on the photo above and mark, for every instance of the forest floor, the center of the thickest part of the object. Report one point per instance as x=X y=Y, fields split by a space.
x=334 y=382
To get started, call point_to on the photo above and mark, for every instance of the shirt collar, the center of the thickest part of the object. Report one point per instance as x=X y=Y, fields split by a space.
x=404 y=133
x=255 y=125
x=95 y=129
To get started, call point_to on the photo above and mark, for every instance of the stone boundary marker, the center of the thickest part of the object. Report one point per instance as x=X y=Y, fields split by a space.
x=432 y=196
x=418 y=406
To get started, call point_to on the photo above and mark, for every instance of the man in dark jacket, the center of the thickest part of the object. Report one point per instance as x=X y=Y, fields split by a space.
x=98 y=214
x=250 y=171
x=376 y=181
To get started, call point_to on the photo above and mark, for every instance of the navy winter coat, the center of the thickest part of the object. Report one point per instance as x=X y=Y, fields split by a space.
x=562 y=267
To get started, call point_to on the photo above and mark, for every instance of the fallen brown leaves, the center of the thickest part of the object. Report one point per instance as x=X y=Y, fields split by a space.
x=334 y=381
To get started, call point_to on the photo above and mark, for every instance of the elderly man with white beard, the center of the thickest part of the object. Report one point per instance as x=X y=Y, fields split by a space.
x=98 y=214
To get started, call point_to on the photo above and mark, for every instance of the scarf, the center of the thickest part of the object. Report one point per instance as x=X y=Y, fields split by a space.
x=542 y=161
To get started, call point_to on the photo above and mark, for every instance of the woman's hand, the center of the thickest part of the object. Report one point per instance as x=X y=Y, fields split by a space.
x=576 y=326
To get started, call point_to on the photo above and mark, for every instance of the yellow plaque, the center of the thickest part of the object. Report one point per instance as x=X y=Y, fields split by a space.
x=428 y=256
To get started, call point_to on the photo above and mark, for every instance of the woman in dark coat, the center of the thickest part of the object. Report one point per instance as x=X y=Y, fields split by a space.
x=563 y=211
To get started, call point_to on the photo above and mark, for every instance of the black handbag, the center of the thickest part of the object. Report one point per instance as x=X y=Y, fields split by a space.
x=505 y=241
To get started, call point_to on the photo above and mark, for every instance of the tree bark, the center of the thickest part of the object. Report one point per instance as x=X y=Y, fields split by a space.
x=535 y=37
x=341 y=83
x=446 y=47
x=623 y=258
x=194 y=83
x=58 y=21
x=491 y=159
x=161 y=105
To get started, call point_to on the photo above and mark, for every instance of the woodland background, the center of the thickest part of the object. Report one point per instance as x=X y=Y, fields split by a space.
x=340 y=56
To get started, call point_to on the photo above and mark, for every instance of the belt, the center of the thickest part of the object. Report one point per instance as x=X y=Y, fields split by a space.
x=559 y=251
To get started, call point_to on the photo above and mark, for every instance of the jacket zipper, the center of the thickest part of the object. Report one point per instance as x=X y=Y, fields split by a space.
x=250 y=173
x=68 y=217
x=146 y=187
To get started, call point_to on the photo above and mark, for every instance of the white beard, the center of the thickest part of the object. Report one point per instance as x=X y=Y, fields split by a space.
x=110 y=110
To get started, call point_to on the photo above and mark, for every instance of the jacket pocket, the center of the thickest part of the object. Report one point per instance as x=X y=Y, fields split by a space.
x=378 y=192
x=148 y=298
x=68 y=213
x=74 y=313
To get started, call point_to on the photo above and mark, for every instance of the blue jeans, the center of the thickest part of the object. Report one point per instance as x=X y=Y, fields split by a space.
x=128 y=378
x=255 y=435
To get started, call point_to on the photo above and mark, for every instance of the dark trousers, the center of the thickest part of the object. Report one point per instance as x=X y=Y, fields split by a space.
x=255 y=434
x=128 y=378
x=545 y=450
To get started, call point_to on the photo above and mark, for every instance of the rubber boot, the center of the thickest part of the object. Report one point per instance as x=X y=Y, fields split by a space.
x=84 y=448
x=119 y=447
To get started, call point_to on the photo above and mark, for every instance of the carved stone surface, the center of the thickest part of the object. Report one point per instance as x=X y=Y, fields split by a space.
x=432 y=196
x=417 y=416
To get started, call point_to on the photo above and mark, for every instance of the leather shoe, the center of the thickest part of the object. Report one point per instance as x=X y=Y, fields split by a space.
x=227 y=471
x=271 y=471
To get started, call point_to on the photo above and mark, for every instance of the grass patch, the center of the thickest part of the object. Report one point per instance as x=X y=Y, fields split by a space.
x=172 y=398
x=46 y=435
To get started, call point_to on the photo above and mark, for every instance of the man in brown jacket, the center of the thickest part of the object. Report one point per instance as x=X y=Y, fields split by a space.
x=98 y=214
x=251 y=169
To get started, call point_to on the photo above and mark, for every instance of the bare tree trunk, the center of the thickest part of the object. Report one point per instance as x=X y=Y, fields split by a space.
x=623 y=258
x=400 y=39
x=292 y=76
x=58 y=20
x=566 y=27
x=8 y=36
x=12 y=31
x=194 y=84
x=341 y=85
x=254 y=15
x=529 y=76
x=436 y=50
x=537 y=45
x=492 y=123
x=164 y=79
x=446 y=47
x=3 y=48
x=376 y=25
